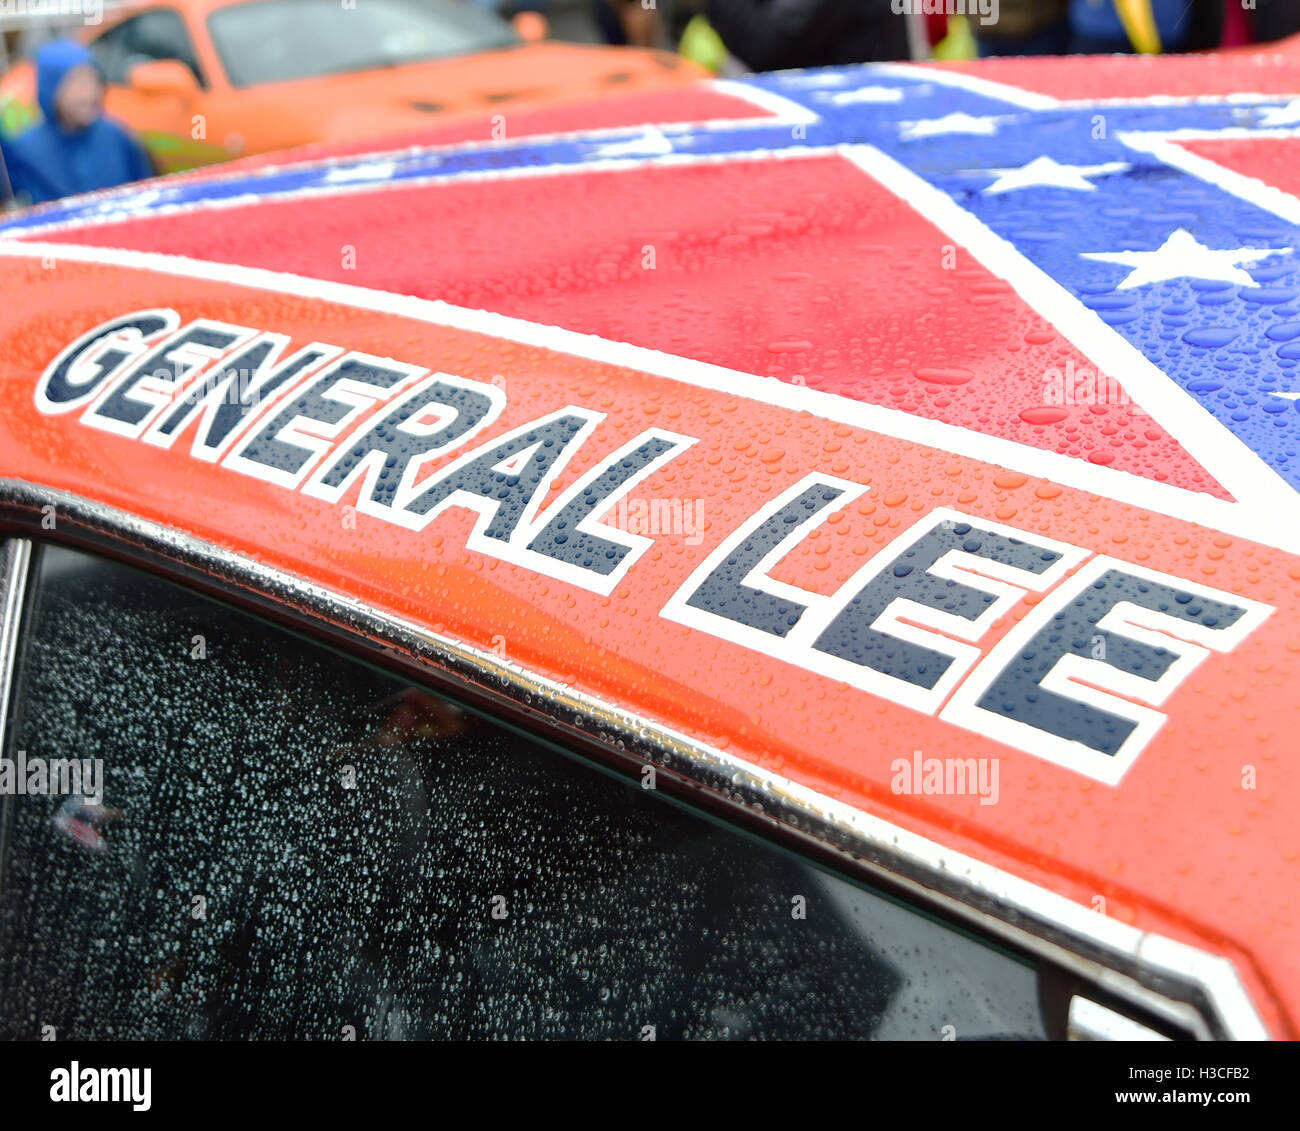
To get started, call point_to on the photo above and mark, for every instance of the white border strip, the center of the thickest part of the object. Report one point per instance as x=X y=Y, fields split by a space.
x=1270 y=528
x=1262 y=495
x=963 y=80
x=1164 y=146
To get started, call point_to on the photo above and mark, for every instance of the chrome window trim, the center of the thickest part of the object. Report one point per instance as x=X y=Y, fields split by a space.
x=1199 y=991
x=14 y=563
x=1089 y=1021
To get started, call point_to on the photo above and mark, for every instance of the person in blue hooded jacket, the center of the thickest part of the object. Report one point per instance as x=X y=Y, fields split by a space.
x=77 y=148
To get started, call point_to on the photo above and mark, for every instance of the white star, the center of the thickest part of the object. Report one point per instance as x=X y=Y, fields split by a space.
x=651 y=143
x=815 y=78
x=1182 y=256
x=1044 y=172
x=1288 y=115
x=959 y=123
x=130 y=202
x=863 y=94
x=1287 y=396
x=375 y=171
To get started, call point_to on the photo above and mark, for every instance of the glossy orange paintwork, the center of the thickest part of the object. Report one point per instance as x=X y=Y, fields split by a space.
x=1184 y=845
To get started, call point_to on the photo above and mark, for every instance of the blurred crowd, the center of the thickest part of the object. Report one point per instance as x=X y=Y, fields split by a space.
x=762 y=35
x=73 y=146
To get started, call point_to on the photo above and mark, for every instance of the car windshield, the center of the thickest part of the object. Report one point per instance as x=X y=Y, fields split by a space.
x=279 y=40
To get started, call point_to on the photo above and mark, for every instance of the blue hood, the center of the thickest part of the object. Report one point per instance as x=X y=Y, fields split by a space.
x=47 y=161
x=53 y=62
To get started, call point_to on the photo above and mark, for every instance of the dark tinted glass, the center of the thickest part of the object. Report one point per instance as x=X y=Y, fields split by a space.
x=159 y=33
x=278 y=40
x=289 y=843
x=112 y=50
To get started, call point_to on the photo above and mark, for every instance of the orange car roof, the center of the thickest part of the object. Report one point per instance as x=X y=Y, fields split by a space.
x=919 y=443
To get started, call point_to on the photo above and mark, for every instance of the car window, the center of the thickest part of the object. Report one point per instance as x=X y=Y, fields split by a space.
x=277 y=40
x=111 y=50
x=281 y=842
x=159 y=33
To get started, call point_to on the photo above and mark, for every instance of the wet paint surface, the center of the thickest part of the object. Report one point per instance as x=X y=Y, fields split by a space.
x=773 y=270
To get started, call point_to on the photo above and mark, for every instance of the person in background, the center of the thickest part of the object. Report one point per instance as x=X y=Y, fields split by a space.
x=627 y=23
x=1272 y=19
x=77 y=148
x=1026 y=27
x=1092 y=27
x=773 y=35
x=1096 y=26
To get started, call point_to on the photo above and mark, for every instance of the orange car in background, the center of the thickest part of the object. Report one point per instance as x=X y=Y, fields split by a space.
x=203 y=81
